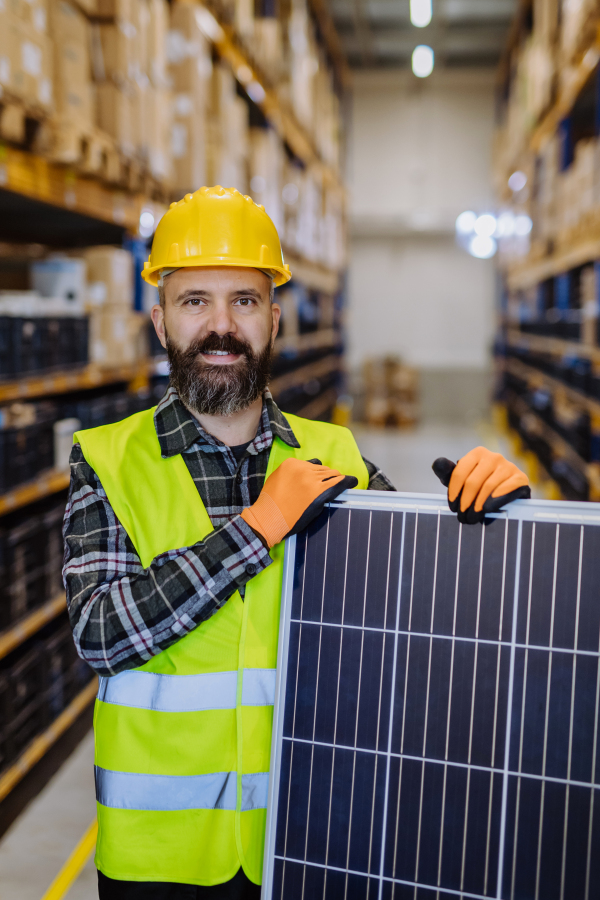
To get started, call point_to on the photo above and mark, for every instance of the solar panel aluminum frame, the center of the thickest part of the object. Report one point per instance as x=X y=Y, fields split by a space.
x=542 y=511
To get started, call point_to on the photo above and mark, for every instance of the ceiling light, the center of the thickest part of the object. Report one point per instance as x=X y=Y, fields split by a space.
x=485 y=225
x=422 y=61
x=465 y=224
x=420 y=12
x=482 y=246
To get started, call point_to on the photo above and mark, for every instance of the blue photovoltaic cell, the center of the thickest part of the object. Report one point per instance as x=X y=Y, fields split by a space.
x=439 y=707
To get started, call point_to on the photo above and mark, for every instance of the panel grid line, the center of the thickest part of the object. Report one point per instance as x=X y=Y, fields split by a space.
x=511 y=681
x=447 y=637
x=392 y=701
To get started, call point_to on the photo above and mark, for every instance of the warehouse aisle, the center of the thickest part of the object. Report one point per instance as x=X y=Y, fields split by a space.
x=406 y=456
x=40 y=841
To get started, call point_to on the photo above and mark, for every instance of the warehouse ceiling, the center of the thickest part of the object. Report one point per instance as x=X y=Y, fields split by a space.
x=379 y=33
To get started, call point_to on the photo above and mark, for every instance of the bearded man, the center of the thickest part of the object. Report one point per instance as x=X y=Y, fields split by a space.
x=174 y=535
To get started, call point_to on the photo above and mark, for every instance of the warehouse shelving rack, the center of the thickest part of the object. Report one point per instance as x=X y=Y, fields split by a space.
x=54 y=204
x=544 y=378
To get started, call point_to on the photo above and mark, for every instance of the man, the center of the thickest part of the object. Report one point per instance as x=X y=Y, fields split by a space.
x=174 y=547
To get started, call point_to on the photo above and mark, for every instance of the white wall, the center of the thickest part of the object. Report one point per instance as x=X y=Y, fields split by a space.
x=419 y=154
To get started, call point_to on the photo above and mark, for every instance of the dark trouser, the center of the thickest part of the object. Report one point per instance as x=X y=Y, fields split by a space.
x=239 y=888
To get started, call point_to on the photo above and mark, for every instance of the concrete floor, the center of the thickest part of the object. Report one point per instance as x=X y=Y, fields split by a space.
x=40 y=841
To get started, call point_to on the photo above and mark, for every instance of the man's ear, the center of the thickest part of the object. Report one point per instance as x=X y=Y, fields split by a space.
x=276 y=315
x=157 y=315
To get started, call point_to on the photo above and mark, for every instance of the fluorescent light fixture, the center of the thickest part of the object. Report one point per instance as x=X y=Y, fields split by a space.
x=465 y=224
x=485 y=226
x=420 y=12
x=422 y=61
x=482 y=246
x=517 y=181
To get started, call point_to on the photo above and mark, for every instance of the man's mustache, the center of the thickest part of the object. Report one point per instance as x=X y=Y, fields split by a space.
x=227 y=343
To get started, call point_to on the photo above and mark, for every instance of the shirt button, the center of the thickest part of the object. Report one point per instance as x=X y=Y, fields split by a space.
x=239 y=478
x=250 y=569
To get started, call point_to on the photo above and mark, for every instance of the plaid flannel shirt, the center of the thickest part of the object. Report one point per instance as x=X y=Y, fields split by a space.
x=122 y=614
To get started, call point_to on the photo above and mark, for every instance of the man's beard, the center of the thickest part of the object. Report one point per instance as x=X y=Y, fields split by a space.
x=218 y=390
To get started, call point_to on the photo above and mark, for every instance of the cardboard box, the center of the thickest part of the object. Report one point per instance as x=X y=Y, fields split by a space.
x=70 y=32
x=189 y=53
x=157 y=42
x=118 y=337
x=115 y=115
x=120 y=51
x=111 y=267
x=34 y=13
x=158 y=121
x=26 y=63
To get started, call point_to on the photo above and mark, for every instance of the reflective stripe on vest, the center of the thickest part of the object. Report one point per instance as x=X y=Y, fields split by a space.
x=188 y=693
x=129 y=790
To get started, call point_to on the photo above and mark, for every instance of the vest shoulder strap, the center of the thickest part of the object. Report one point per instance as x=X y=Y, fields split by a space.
x=154 y=498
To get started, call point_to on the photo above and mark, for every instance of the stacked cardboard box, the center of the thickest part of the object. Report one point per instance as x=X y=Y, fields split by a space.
x=117 y=333
x=190 y=68
x=26 y=53
x=132 y=93
x=70 y=34
x=229 y=143
x=391 y=393
x=266 y=172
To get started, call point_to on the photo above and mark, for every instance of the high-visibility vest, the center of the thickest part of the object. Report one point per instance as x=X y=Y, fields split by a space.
x=183 y=742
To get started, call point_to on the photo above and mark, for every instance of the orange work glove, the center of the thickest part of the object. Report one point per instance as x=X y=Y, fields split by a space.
x=481 y=482
x=292 y=496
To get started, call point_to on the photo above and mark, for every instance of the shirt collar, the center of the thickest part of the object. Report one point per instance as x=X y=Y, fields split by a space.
x=177 y=430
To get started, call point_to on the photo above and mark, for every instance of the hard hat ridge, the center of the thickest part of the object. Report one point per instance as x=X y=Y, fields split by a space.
x=216 y=226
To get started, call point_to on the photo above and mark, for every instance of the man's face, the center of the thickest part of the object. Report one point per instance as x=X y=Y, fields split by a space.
x=218 y=327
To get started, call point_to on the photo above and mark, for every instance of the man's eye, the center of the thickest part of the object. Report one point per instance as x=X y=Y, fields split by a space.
x=194 y=301
x=245 y=301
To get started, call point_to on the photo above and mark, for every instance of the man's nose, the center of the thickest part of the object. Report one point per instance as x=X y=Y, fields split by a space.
x=220 y=320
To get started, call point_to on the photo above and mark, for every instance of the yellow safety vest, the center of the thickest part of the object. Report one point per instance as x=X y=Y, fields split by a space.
x=183 y=742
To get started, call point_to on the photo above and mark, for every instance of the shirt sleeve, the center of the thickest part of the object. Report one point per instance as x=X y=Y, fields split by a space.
x=377 y=480
x=122 y=614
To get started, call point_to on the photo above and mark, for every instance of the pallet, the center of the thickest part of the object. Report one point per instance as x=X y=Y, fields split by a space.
x=20 y=121
x=92 y=152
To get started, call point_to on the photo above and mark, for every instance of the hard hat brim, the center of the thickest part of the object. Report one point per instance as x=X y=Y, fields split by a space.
x=281 y=274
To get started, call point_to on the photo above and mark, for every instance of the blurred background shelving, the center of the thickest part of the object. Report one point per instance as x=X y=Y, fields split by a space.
x=109 y=110
x=547 y=348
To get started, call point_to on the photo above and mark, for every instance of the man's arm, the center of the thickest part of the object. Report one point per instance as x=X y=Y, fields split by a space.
x=377 y=480
x=122 y=614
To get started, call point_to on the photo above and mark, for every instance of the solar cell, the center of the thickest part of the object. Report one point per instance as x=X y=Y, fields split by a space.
x=436 y=719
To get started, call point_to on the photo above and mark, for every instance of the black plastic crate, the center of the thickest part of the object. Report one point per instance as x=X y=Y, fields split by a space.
x=28 y=344
x=31 y=559
x=26 y=676
x=65 y=673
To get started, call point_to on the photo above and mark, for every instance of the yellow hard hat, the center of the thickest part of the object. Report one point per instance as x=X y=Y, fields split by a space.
x=216 y=226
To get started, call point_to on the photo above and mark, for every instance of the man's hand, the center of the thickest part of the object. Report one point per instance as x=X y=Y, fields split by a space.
x=292 y=497
x=481 y=482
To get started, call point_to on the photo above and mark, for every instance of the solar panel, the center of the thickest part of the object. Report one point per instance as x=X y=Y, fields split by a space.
x=436 y=719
